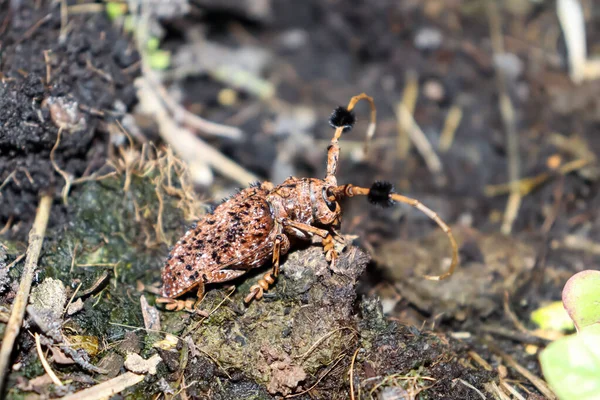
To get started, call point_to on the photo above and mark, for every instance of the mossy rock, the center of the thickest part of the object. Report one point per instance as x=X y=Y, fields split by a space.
x=298 y=340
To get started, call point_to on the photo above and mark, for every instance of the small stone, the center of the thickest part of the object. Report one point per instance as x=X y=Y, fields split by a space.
x=135 y=363
x=428 y=39
x=75 y=307
x=434 y=90
x=510 y=64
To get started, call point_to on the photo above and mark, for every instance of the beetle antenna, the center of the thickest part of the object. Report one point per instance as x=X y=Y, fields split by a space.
x=382 y=194
x=342 y=120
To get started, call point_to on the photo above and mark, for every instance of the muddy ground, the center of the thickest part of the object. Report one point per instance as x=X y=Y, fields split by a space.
x=72 y=75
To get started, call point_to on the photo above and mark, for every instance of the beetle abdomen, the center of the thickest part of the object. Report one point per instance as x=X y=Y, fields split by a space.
x=235 y=236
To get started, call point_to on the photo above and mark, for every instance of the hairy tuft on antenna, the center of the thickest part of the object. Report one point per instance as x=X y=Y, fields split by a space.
x=379 y=194
x=342 y=117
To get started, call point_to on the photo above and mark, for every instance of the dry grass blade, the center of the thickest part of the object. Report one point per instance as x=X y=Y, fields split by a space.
x=44 y=362
x=570 y=16
x=508 y=118
x=36 y=238
x=321 y=339
x=106 y=389
x=185 y=143
x=467 y=384
x=450 y=126
x=418 y=138
x=194 y=121
x=409 y=100
x=352 y=375
x=323 y=375
x=535 y=381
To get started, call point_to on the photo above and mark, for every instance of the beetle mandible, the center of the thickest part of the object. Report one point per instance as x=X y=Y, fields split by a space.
x=256 y=224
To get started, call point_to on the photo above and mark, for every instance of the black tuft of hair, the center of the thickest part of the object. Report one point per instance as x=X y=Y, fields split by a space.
x=255 y=184
x=379 y=194
x=342 y=117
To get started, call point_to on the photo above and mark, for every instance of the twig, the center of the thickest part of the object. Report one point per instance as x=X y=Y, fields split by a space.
x=204 y=317
x=340 y=358
x=570 y=16
x=69 y=179
x=180 y=114
x=34 y=28
x=108 y=388
x=479 y=360
x=36 y=238
x=495 y=390
x=44 y=362
x=527 y=185
x=467 y=384
x=577 y=242
x=418 y=138
x=537 y=382
x=87 y=8
x=522 y=337
x=507 y=113
x=352 y=374
x=9 y=266
x=409 y=99
x=450 y=126
x=512 y=390
x=48 y=67
x=10 y=176
x=191 y=148
x=513 y=317
x=321 y=339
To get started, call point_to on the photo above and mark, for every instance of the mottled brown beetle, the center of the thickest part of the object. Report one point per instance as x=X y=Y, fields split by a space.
x=255 y=225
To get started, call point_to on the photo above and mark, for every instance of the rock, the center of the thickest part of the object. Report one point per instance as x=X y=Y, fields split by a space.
x=135 y=363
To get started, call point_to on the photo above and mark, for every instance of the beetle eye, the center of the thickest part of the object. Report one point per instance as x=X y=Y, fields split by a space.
x=330 y=204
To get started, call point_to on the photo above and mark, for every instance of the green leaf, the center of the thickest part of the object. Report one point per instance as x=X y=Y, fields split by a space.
x=581 y=298
x=115 y=10
x=571 y=365
x=153 y=43
x=553 y=317
x=159 y=59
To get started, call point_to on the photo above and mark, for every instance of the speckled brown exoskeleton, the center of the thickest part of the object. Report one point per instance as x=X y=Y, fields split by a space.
x=255 y=225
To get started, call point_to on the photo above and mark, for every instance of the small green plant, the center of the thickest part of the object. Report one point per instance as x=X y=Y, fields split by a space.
x=571 y=365
x=158 y=59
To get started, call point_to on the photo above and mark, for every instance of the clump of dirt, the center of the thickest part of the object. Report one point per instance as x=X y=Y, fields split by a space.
x=492 y=264
x=399 y=356
x=51 y=80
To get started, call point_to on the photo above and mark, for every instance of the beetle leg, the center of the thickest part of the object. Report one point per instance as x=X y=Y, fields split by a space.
x=329 y=246
x=257 y=290
x=171 y=304
x=199 y=296
x=282 y=245
x=305 y=228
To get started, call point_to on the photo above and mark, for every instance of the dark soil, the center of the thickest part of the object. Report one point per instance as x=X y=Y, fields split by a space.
x=87 y=82
x=78 y=79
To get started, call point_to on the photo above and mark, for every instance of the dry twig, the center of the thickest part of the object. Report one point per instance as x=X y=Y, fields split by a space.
x=36 y=238
x=409 y=100
x=450 y=126
x=191 y=148
x=418 y=138
x=535 y=381
x=44 y=362
x=352 y=374
x=107 y=389
x=508 y=118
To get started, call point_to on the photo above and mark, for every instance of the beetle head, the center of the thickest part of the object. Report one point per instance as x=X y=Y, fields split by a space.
x=325 y=207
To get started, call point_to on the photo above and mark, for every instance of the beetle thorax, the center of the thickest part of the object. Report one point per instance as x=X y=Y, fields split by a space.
x=302 y=200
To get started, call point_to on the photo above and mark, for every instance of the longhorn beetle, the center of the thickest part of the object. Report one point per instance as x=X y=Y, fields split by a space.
x=255 y=225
